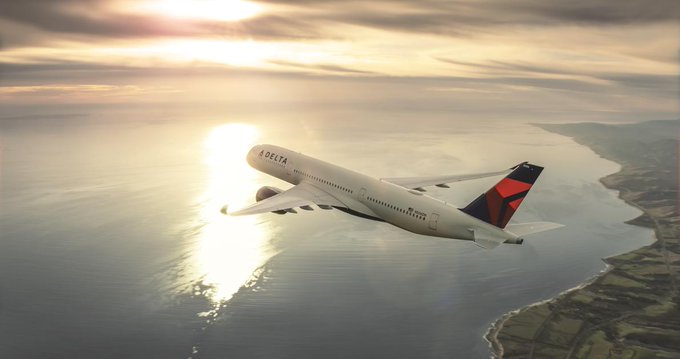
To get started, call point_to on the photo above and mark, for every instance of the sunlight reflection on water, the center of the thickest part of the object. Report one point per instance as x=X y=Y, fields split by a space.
x=230 y=248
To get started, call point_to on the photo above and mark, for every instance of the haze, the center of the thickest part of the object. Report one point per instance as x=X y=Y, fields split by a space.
x=573 y=61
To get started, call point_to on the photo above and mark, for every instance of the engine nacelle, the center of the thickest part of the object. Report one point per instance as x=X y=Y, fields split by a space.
x=266 y=192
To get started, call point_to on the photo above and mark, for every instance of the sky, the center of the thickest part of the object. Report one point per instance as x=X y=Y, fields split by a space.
x=536 y=60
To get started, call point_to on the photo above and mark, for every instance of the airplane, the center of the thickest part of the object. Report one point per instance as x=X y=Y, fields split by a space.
x=397 y=201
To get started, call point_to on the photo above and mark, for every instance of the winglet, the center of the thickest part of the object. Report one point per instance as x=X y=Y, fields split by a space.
x=224 y=209
x=517 y=165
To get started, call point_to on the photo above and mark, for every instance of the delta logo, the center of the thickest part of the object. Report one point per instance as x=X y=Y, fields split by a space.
x=274 y=157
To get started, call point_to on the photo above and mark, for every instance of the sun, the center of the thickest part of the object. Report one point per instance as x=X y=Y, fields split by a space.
x=218 y=10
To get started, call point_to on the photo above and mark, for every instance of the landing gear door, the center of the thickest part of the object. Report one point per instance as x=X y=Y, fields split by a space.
x=434 y=217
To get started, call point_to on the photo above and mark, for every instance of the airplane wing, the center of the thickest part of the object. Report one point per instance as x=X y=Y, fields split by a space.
x=418 y=183
x=303 y=194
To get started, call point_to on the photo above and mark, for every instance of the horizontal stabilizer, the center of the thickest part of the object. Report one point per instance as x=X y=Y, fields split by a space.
x=522 y=229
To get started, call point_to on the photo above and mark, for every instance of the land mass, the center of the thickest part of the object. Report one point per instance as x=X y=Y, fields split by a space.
x=631 y=310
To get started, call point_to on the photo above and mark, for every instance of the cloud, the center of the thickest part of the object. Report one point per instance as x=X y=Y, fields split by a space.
x=81 y=17
x=311 y=19
x=79 y=93
x=323 y=67
x=600 y=12
x=463 y=56
x=92 y=18
x=466 y=17
x=506 y=67
x=581 y=79
x=663 y=84
x=507 y=87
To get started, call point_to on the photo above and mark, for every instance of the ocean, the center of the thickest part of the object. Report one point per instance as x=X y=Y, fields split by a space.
x=112 y=244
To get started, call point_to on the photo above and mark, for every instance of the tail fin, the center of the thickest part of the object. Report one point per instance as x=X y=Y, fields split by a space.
x=498 y=204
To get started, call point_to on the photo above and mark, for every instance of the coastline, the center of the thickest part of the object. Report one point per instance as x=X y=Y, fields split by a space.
x=491 y=335
x=613 y=312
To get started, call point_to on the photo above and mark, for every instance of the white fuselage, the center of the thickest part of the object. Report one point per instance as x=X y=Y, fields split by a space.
x=370 y=197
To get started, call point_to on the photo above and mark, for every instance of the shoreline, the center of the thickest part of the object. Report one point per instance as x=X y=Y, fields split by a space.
x=583 y=320
x=491 y=335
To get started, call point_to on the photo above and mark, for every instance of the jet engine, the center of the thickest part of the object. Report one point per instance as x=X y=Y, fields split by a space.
x=268 y=191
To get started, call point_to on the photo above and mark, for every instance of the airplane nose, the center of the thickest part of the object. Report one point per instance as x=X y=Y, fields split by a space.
x=251 y=155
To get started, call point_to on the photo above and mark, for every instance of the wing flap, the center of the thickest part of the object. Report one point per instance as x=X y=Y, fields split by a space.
x=271 y=204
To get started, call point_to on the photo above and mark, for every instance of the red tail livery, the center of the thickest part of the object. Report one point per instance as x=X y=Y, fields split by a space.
x=498 y=204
